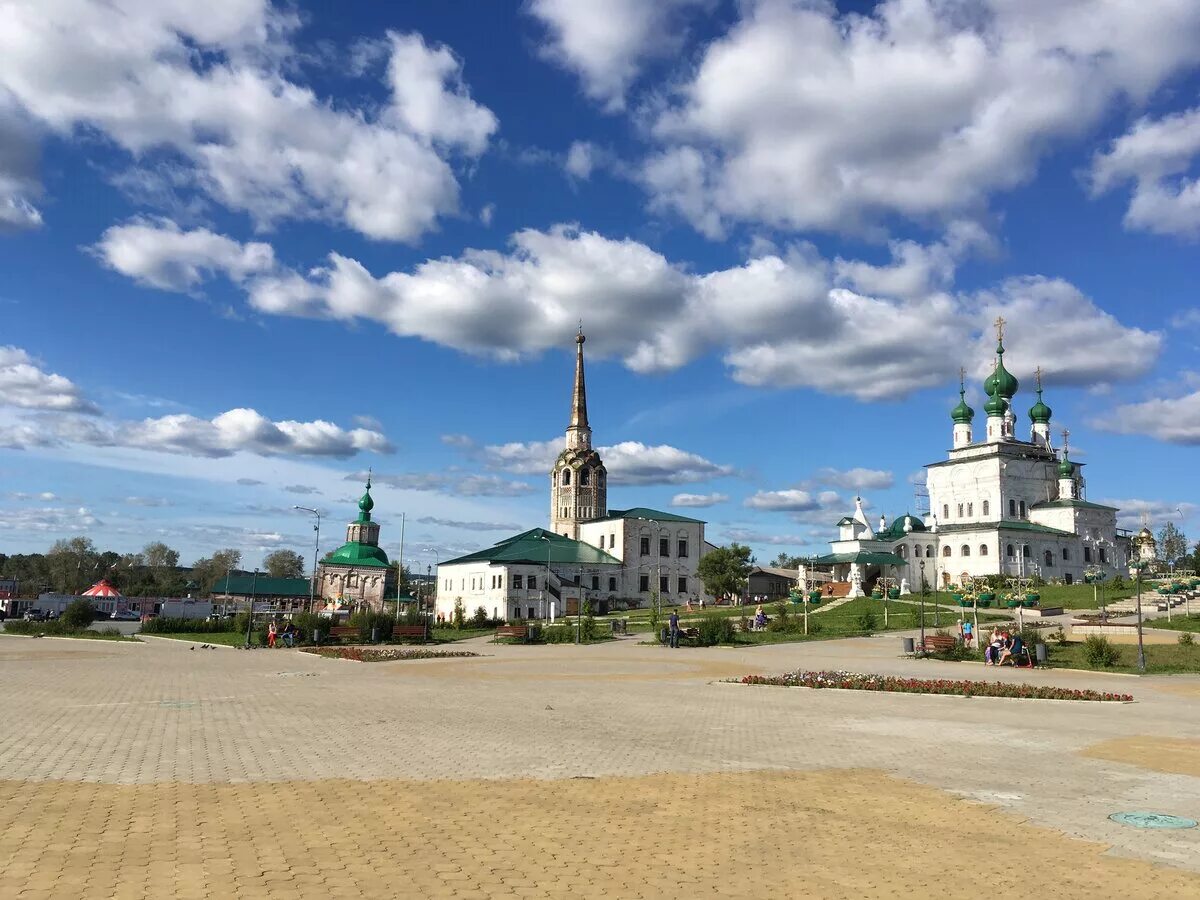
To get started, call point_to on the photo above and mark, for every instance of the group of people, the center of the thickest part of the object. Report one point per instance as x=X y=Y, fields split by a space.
x=287 y=634
x=1002 y=645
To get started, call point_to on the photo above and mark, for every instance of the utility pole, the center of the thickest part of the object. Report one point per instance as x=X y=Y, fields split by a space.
x=250 y=612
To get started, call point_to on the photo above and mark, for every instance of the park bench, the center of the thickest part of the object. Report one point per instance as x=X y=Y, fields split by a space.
x=1020 y=659
x=337 y=632
x=937 y=643
x=409 y=631
x=520 y=632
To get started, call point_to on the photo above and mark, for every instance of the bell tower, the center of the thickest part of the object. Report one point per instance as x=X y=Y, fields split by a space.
x=579 y=481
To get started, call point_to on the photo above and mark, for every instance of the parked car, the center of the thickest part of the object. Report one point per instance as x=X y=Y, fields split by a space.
x=35 y=615
x=125 y=615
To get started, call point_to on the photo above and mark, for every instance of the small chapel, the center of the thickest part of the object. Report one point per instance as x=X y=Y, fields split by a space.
x=998 y=505
x=358 y=573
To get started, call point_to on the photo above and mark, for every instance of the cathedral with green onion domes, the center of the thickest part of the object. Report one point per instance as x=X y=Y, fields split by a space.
x=998 y=505
x=358 y=573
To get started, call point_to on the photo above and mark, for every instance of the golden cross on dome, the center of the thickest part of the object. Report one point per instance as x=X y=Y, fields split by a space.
x=962 y=378
x=1000 y=323
x=1038 y=373
x=1066 y=433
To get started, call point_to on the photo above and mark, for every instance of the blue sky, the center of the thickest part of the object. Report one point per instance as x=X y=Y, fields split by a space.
x=252 y=249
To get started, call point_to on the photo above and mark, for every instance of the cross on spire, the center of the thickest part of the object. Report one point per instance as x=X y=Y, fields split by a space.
x=370 y=469
x=1066 y=433
x=1038 y=372
x=962 y=379
x=1000 y=323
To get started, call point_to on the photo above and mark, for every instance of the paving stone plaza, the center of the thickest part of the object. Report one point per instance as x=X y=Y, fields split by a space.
x=616 y=770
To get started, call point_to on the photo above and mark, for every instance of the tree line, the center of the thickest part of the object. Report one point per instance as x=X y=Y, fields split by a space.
x=72 y=565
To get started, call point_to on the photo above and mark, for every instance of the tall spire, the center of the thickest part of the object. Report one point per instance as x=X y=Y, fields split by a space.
x=579 y=433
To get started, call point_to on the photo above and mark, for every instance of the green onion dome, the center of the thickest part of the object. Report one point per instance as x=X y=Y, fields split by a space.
x=996 y=404
x=1001 y=378
x=962 y=414
x=1039 y=413
x=1066 y=468
x=366 y=504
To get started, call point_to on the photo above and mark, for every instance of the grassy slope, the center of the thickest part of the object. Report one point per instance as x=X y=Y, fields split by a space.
x=1179 y=622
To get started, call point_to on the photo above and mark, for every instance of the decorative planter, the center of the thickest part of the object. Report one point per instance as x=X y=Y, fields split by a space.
x=1012 y=604
x=876 y=595
x=1033 y=597
x=894 y=593
x=1029 y=604
x=958 y=598
x=815 y=601
x=814 y=596
x=964 y=602
x=987 y=598
x=984 y=604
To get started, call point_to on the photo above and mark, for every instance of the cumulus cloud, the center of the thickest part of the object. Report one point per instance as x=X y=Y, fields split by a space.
x=147 y=501
x=49 y=519
x=790 y=500
x=780 y=319
x=249 y=482
x=453 y=482
x=469 y=526
x=156 y=253
x=856 y=479
x=606 y=44
x=301 y=489
x=698 y=501
x=805 y=117
x=205 y=86
x=1175 y=420
x=627 y=462
x=24 y=384
x=1155 y=513
x=19 y=186
x=753 y=536
x=1156 y=155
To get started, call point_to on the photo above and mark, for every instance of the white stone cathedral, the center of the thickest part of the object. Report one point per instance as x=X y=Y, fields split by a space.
x=999 y=505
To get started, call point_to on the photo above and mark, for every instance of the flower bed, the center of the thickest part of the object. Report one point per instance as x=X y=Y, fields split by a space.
x=384 y=654
x=856 y=681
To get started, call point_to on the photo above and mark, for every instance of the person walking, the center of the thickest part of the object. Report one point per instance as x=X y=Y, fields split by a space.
x=673 y=628
x=272 y=631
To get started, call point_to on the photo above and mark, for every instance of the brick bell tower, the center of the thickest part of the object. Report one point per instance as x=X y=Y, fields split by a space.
x=579 y=481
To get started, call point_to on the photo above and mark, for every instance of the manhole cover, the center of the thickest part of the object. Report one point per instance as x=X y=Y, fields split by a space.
x=1152 y=820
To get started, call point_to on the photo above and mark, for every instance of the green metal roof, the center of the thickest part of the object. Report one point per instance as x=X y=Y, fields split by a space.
x=539 y=546
x=642 y=512
x=862 y=557
x=263 y=586
x=1060 y=504
x=895 y=531
x=358 y=554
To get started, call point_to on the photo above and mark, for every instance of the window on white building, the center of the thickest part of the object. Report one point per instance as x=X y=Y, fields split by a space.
x=970 y=509
x=643 y=583
x=983 y=550
x=531 y=583
x=1012 y=508
x=612 y=541
x=1087 y=554
x=1026 y=552
x=986 y=508
x=595 y=582
x=1010 y=551
x=945 y=510
x=516 y=581
x=1066 y=555
x=946 y=550
x=1103 y=555
x=960 y=510
x=664 y=546
x=566 y=476
x=1022 y=509
x=612 y=584
x=1049 y=557
x=929 y=551
x=682 y=548
x=965 y=550
x=645 y=546
x=585 y=476
x=683 y=585
x=664 y=584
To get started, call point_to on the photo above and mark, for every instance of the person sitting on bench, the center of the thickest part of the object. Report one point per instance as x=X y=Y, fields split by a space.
x=1013 y=648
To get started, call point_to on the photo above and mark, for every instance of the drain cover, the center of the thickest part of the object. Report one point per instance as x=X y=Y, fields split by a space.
x=1152 y=820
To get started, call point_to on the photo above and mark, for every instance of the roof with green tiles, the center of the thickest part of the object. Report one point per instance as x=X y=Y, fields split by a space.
x=862 y=557
x=1081 y=504
x=642 y=512
x=358 y=554
x=539 y=546
x=262 y=586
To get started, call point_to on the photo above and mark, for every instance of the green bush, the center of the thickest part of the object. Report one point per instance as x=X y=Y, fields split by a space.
x=459 y=618
x=867 y=623
x=558 y=634
x=1099 y=653
x=164 y=625
x=587 y=623
x=78 y=614
x=715 y=630
x=307 y=623
x=956 y=653
x=365 y=621
x=480 y=619
x=1187 y=639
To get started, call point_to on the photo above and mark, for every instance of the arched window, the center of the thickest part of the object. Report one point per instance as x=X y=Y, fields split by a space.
x=1066 y=555
x=1022 y=509
x=585 y=476
x=945 y=510
x=983 y=549
x=965 y=551
x=987 y=507
x=1009 y=551
x=970 y=510
x=946 y=550
x=903 y=551
x=929 y=551
x=1012 y=508
x=566 y=476
x=1025 y=552
x=1049 y=556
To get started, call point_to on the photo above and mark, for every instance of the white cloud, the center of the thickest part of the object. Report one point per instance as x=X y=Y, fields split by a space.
x=803 y=117
x=581 y=160
x=779 y=318
x=1156 y=155
x=791 y=500
x=19 y=185
x=698 y=501
x=1155 y=513
x=627 y=462
x=1175 y=420
x=48 y=519
x=158 y=254
x=147 y=501
x=469 y=526
x=453 y=482
x=307 y=489
x=751 y=536
x=25 y=385
x=204 y=84
x=856 y=479
x=606 y=44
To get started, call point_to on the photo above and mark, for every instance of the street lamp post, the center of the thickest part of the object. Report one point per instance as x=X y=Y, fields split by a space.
x=1135 y=569
x=425 y=606
x=312 y=588
x=922 y=603
x=250 y=612
x=546 y=586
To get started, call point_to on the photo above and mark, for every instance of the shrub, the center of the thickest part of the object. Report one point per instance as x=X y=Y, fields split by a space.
x=1099 y=653
x=956 y=653
x=715 y=630
x=1187 y=639
x=365 y=621
x=558 y=634
x=167 y=625
x=78 y=614
x=867 y=623
x=654 y=619
x=459 y=616
x=480 y=619
x=587 y=623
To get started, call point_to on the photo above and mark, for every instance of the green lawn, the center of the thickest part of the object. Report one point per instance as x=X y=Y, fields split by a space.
x=1161 y=659
x=1083 y=596
x=1179 y=622
x=82 y=635
x=449 y=635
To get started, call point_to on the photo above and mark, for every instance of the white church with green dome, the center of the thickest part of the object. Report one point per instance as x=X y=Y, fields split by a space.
x=998 y=505
x=358 y=572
